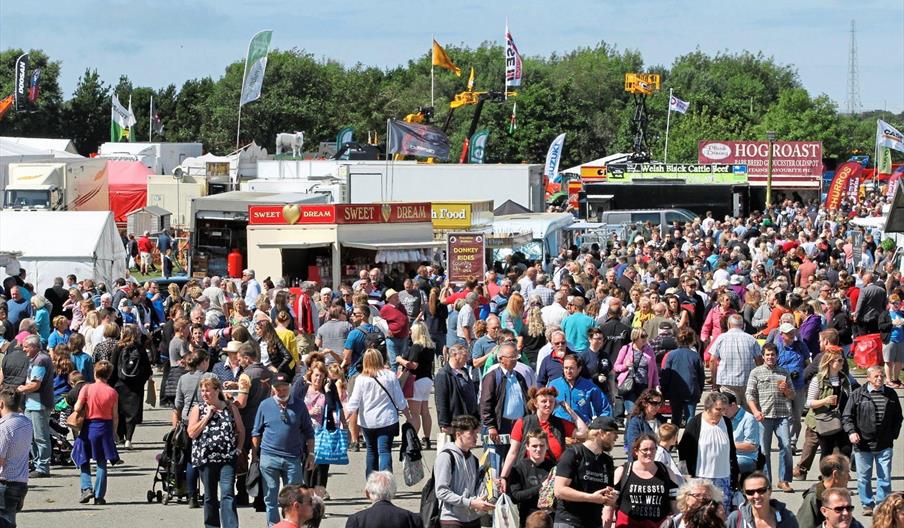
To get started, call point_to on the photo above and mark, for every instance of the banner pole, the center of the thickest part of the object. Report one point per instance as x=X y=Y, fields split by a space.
x=432 y=44
x=151 y=120
x=668 y=118
x=238 y=128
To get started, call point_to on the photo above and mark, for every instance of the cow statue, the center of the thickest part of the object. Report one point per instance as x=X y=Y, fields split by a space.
x=286 y=142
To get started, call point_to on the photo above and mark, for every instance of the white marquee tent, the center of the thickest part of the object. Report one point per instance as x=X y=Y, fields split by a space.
x=50 y=244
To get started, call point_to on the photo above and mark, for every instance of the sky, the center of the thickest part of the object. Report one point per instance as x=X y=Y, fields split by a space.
x=159 y=42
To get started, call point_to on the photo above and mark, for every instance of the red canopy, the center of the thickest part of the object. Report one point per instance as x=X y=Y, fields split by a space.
x=128 y=187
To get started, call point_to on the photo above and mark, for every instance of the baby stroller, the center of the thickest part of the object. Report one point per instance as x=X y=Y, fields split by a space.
x=170 y=473
x=61 y=447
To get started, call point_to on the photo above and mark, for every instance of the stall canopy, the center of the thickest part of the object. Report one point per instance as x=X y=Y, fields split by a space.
x=84 y=243
x=128 y=187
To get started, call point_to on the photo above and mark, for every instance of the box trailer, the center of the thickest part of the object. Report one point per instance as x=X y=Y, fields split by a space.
x=77 y=185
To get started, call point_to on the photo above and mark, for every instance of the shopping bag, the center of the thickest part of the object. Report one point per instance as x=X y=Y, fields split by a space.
x=413 y=471
x=547 y=496
x=331 y=447
x=151 y=396
x=867 y=350
x=505 y=515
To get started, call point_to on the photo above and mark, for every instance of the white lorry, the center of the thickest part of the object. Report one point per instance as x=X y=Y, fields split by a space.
x=77 y=185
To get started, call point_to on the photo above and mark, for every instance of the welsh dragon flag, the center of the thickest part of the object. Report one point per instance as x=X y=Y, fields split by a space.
x=121 y=121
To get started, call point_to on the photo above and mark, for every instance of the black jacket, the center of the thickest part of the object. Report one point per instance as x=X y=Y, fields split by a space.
x=524 y=484
x=451 y=401
x=492 y=398
x=617 y=335
x=384 y=514
x=688 y=447
x=411 y=446
x=859 y=417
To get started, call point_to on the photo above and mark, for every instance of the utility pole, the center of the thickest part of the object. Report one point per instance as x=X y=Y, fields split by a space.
x=770 y=135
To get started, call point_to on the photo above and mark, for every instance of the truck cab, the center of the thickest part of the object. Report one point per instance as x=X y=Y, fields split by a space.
x=45 y=197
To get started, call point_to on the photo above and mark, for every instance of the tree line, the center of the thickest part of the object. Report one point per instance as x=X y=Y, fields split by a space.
x=733 y=96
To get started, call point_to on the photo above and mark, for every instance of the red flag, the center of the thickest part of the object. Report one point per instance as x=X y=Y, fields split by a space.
x=5 y=104
x=844 y=174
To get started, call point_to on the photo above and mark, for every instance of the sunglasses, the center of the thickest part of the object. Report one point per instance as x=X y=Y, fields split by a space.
x=284 y=415
x=841 y=509
x=655 y=402
x=755 y=491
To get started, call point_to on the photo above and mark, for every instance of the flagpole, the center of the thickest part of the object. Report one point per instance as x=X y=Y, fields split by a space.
x=432 y=44
x=504 y=80
x=238 y=127
x=151 y=121
x=668 y=118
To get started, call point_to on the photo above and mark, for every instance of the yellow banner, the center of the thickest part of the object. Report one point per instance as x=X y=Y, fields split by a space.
x=441 y=59
x=450 y=215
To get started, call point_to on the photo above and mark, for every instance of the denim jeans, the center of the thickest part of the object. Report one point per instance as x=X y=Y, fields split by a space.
x=682 y=411
x=12 y=499
x=865 y=461
x=191 y=479
x=395 y=347
x=219 y=509
x=379 y=448
x=274 y=468
x=40 y=446
x=781 y=428
x=100 y=479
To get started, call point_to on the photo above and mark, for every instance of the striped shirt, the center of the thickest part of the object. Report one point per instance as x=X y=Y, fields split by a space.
x=15 y=445
x=762 y=389
x=737 y=352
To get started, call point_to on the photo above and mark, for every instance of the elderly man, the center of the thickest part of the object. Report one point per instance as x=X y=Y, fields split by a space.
x=499 y=301
x=484 y=345
x=770 y=395
x=835 y=472
x=38 y=391
x=734 y=355
x=380 y=490
x=454 y=392
x=17 y=307
x=467 y=316
x=872 y=419
x=399 y=326
x=503 y=399
x=747 y=434
x=251 y=287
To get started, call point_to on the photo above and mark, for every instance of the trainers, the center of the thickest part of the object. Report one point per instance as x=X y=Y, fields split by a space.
x=355 y=446
x=87 y=495
x=128 y=444
x=99 y=501
x=786 y=487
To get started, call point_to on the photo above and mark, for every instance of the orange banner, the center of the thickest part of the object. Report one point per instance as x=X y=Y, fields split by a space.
x=838 y=189
x=5 y=105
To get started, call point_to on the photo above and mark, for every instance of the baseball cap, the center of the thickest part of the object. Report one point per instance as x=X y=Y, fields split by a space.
x=604 y=423
x=786 y=328
x=280 y=379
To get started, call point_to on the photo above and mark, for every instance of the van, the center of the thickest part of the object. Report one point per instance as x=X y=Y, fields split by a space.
x=657 y=217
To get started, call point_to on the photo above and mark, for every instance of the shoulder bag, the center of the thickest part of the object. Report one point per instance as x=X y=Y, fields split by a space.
x=76 y=420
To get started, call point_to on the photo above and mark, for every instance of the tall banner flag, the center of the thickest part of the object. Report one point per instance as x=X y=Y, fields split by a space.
x=419 y=140
x=478 y=146
x=5 y=104
x=838 y=189
x=156 y=122
x=512 y=61
x=130 y=133
x=513 y=124
x=121 y=121
x=33 y=86
x=553 y=156
x=677 y=105
x=344 y=136
x=893 y=182
x=471 y=80
x=441 y=59
x=889 y=136
x=20 y=87
x=884 y=163
x=255 y=65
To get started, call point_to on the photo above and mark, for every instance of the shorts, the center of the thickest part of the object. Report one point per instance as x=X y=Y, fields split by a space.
x=145 y=258
x=893 y=352
x=422 y=388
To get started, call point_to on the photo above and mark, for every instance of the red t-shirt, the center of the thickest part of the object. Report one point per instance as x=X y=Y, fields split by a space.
x=397 y=320
x=555 y=448
x=145 y=245
x=100 y=399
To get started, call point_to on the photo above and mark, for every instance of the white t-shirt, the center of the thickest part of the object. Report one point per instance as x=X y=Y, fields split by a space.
x=465 y=319
x=714 y=450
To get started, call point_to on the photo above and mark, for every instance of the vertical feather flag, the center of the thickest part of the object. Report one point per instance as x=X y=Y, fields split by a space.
x=513 y=125
x=255 y=66
x=471 y=80
x=5 y=104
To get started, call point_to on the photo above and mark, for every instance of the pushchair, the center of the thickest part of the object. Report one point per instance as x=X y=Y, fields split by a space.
x=61 y=447
x=170 y=472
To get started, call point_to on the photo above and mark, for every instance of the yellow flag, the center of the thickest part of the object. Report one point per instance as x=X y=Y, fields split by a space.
x=442 y=60
x=471 y=80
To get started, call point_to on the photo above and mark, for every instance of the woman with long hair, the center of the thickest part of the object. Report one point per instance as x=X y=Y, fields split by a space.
x=280 y=304
x=375 y=403
x=512 y=318
x=239 y=316
x=827 y=395
x=636 y=359
x=890 y=513
x=435 y=316
x=752 y=301
x=713 y=326
x=677 y=314
x=74 y=304
x=62 y=366
x=644 y=419
x=99 y=402
x=418 y=360
x=273 y=353
x=324 y=406
x=637 y=506
x=217 y=433
x=131 y=371
x=533 y=336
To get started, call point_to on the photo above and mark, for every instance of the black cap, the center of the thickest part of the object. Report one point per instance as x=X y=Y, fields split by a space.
x=604 y=423
x=280 y=379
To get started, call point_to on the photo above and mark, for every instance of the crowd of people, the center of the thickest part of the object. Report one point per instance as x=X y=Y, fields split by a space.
x=701 y=346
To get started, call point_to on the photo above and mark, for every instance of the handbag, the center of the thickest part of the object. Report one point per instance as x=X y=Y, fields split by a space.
x=331 y=447
x=547 y=497
x=76 y=420
x=408 y=383
x=626 y=387
x=827 y=423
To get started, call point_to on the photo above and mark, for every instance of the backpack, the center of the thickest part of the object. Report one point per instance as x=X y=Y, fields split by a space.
x=430 y=508
x=130 y=363
x=374 y=339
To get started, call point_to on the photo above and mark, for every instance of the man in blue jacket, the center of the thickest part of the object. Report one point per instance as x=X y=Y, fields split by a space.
x=587 y=400
x=793 y=356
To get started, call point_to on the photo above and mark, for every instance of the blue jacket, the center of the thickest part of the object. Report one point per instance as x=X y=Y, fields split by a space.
x=794 y=358
x=635 y=427
x=587 y=400
x=682 y=376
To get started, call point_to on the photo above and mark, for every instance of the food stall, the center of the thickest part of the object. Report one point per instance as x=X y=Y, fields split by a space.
x=329 y=244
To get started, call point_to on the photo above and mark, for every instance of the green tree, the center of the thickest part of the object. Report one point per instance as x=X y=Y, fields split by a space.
x=42 y=120
x=86 y=117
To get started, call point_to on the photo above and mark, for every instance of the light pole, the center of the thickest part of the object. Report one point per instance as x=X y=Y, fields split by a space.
x=770 y=135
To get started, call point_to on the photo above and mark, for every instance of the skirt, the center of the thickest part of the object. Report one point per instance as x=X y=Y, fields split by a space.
x=95 y=442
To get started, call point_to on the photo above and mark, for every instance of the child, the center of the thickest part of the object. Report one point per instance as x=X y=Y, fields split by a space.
x=528 y=474
x=668 y=438
x=125 y=308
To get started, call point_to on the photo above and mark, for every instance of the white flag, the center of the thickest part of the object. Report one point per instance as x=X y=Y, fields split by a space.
x=255 y=65
x=889 y=136
x=512 y=61
x=553 y=156
x=677 y=105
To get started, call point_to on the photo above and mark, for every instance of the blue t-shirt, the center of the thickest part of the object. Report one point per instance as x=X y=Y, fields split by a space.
x=746 y=429
x=33 y=399
x=355 y=343
x=575 y=327
x=897 y=332
x=282 y=434
x=57 y=338
x=84 y=363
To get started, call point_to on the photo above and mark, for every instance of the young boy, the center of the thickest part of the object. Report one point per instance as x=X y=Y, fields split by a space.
x=528 y=474
x=668 y=438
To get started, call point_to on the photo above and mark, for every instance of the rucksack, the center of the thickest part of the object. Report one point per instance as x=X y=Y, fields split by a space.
x=430 y=508
x=130 y=363
x=375 y=339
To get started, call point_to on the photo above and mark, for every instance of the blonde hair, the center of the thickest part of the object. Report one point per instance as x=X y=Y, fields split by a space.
x=515 y=306
x=372 y=363
x=535 y=326
x=421 y=336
